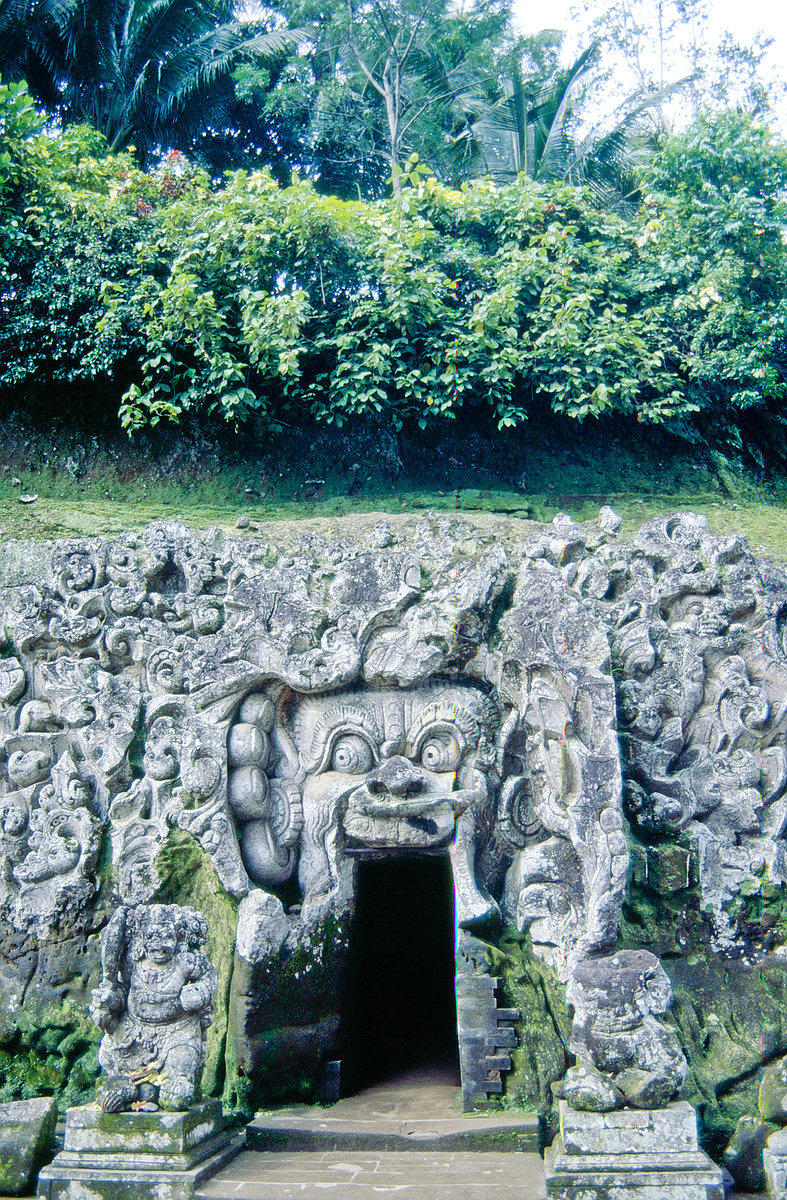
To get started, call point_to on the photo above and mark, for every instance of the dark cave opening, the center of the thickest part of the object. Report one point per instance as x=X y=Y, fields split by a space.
x=399 y=1013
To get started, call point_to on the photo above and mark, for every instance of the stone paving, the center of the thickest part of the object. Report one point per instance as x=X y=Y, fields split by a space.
x=334 y=1159
x=310 y=1175
x=406 y=1138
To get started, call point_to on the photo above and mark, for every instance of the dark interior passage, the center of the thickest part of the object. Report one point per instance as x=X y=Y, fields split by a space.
x=400 y=1006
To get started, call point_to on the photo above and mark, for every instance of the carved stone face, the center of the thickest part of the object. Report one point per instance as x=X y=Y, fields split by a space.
x=13 y=818
x=161 y=941
x=392 y=762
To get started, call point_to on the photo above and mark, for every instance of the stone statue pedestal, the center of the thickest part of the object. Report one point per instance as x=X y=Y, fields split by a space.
x=631 y=1154
x=139 y=1156
x=775 y=1163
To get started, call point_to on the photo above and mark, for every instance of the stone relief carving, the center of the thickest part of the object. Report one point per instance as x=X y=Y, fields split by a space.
x=291 y=704
x=372 y=770
x=567 y=879
x=50 y=833
x=625 y=1054
x=154 y=1004
x=696 y=635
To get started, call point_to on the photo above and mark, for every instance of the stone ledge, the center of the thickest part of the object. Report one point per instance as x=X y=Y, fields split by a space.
x=630 y=1130
x=668 y=1163
x=91 y=1130
x=143 y=1161
x=309 y=1130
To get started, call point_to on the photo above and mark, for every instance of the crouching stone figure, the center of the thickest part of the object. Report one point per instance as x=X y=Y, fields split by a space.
x=154 y=1004
x=625 y=1054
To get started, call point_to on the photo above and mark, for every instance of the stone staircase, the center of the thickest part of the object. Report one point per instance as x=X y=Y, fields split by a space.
x=407 y=1139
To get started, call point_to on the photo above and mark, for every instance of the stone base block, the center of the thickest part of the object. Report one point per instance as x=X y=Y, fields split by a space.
x=26 y=1133
x=775 y=1164
x=632 y=1154
x=139 y=1156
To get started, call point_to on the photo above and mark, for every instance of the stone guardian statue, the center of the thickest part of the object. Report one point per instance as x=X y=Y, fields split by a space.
x=154 y=1004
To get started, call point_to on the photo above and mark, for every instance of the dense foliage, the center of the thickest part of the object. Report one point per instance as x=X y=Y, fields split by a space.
x=138 y=71
x=253 y=300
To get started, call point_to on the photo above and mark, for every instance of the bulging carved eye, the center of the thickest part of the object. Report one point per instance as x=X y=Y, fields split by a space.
x=352 y=755
x=440 y=752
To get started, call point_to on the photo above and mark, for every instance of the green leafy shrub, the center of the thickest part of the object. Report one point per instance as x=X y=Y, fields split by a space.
x=251 y=300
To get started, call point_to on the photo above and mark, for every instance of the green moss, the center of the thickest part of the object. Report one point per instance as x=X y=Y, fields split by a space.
x=288 y=1009
x=731 y=1018
x=760 y=913
x=541 y=1058
x=188 y=877
x=123 y=484
x=52 y=1052
x=665 y=918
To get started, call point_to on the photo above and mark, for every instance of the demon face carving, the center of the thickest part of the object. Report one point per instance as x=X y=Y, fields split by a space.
x=381 y=770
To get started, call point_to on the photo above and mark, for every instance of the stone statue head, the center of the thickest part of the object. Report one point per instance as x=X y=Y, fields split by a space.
x=156 y=931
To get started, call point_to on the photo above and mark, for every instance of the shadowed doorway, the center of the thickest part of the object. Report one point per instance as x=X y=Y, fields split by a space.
x=400 y=1007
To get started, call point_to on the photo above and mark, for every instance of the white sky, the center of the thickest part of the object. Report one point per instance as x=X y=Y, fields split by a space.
x=743 y=18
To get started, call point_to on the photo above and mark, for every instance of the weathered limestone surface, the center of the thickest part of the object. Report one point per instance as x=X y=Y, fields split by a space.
x=155 y=1003
x=27 y=1129
x=137 y=1155
x=625 y=1055
x=592 y=729
x=775 y=1165
x=630 y=1155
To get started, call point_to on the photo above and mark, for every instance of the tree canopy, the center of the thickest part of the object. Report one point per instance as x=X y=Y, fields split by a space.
x=253 y=301
x=129 y=68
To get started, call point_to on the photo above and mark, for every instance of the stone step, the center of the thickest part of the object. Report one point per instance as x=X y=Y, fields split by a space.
x=310 y=1129
x=354 y=1175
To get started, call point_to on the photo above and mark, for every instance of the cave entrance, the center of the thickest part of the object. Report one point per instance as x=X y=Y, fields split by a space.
x=399 y=1017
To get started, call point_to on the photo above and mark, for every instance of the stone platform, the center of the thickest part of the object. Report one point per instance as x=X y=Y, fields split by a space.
x=408 y=1114
x=138 y=1156
x=406 y=1137
x=633 y=1154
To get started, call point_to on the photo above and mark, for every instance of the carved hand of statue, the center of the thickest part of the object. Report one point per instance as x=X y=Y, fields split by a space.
x=107 y=1004
x=192 y=998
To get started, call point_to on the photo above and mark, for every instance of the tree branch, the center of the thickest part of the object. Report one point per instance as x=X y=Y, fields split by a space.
x=359 y=57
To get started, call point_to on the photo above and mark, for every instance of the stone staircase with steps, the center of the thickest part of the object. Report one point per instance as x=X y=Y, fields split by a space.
x=408 y=1138
x=486 y=1034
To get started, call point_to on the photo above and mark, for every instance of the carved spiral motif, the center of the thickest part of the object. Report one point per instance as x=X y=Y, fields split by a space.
x=440 y=752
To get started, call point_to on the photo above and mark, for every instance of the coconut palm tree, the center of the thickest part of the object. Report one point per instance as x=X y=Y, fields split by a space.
x=131 y=68
x=521 y=130
x=532 y=128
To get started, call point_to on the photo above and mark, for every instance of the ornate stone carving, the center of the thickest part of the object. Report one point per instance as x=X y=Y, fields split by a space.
x=154 y=1004
x=567 y=880
x=625 y=1055
x=295 y=700
x=368 y=771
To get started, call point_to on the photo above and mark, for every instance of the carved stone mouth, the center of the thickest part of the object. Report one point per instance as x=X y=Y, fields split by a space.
x=375 y=806
x=373 y=820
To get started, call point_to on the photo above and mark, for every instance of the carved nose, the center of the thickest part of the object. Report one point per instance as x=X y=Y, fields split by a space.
x=399 y=777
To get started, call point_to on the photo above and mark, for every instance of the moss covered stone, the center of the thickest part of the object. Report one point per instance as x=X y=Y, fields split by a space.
x=188 y=877
x=541 y=1057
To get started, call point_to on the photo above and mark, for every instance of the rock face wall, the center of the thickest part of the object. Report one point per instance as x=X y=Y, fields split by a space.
x=593 y=730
